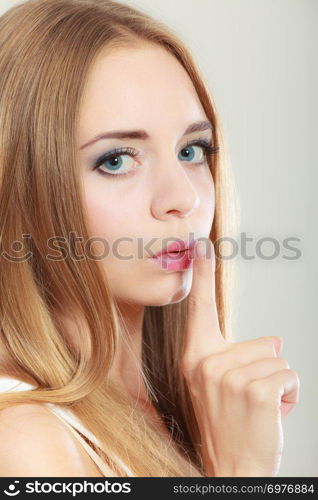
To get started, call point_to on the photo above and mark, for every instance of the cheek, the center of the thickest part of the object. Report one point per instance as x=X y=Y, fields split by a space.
x=111 y=221
x=106 y=213
x=101 y=226
x=205 y=212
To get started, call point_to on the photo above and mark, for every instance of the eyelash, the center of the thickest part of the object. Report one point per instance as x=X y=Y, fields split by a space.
x=207 y=147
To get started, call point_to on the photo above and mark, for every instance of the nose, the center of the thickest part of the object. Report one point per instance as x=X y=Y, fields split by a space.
x=175 y=194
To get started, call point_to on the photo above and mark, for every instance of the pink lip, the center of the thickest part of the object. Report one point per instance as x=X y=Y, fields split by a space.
x=179 y=260
x=177 y=246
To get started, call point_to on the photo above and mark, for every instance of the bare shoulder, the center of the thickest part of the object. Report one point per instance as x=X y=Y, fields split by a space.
x=34 y=442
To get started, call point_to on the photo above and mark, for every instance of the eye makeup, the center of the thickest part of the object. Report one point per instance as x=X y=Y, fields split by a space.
x=112 y=156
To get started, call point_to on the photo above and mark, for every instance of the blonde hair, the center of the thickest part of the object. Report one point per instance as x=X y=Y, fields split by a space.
x=47 y=48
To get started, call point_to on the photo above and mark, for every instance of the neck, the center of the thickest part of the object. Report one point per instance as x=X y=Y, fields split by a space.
x=124 y=370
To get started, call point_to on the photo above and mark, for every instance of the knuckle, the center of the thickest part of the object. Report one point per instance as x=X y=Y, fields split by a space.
x=195 y=303
x=297 y=384
x=209 y=370
x=269 y=345
x=283 y=363
x=256 y=392
x=233 y=382
x=207 y=367
x=295 y=376
x=186 y=368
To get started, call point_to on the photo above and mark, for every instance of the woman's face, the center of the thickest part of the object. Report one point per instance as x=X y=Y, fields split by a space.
x=168 y=192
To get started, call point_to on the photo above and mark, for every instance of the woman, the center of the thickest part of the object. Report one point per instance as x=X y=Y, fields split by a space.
x=111 y=150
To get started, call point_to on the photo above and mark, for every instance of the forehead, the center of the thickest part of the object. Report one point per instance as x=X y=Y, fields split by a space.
x=138 y=86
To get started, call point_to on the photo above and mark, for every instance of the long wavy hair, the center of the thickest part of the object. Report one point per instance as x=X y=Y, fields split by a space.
x=47 y=48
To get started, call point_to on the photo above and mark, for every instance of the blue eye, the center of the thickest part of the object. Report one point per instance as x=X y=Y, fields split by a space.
x=118 y=162
x=114 y=161
x=190 y=153
x=121 y=160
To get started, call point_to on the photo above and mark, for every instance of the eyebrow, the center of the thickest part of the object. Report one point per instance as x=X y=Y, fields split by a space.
x=142 y=134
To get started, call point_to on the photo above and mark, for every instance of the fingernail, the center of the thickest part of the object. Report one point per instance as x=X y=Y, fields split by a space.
x=201 y=249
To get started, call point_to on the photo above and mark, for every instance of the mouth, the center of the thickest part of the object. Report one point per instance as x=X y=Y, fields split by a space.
x=177 y=256
x=177 y=248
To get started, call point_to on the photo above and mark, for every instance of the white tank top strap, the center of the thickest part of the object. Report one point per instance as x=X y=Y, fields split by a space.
x=10 y=384
x=103 y=467
x=74 y=423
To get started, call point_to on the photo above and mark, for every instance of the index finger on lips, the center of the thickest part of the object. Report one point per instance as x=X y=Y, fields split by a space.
x=202 y=334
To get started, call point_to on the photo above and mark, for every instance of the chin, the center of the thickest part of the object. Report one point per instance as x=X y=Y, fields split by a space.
x=170 y=292
x=154 y=290
x=164 y=302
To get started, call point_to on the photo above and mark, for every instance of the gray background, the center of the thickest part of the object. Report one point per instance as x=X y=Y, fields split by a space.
x=260 y=61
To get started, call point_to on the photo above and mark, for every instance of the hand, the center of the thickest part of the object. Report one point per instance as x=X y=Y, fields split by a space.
x=239 y=391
